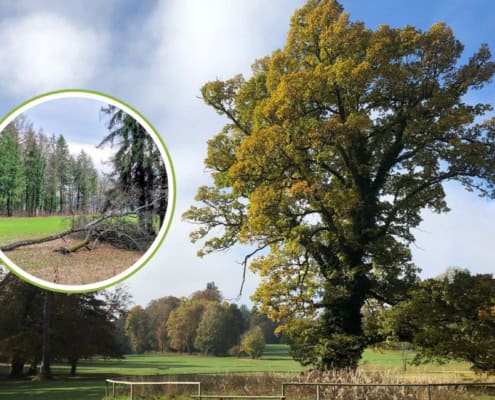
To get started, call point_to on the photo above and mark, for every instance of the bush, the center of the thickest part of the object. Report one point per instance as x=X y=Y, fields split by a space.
x=253 y=342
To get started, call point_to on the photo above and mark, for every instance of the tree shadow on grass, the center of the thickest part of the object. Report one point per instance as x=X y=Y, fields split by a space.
x=53 y=390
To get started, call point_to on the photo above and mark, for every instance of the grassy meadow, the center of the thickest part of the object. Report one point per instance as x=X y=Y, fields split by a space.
x=17 y=228
x=89 y=383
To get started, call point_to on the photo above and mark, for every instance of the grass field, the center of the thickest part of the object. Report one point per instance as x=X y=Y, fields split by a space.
x=89 y=384
x=13 y=229
x=42 y=260
x=391 y=361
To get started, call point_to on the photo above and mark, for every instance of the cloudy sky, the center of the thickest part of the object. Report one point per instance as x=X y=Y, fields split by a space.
x=155 y=56
x=80 y=121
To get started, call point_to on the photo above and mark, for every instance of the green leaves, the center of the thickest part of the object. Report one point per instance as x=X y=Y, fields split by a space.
x=12 y=174
x=253 y=342
x=460 y=324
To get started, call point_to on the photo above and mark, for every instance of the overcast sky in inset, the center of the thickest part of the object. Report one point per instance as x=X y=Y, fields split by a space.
x=80 y=121
x=156 y=55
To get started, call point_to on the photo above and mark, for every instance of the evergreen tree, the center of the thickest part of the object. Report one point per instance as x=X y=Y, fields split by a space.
x=85 y=181
x=50 y=203
x=34 y=166
x=62 y=171
x=11 y=170
x=139 y=170
x=38 y=174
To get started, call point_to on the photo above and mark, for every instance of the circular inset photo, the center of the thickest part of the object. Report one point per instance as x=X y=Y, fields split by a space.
x=86 y=191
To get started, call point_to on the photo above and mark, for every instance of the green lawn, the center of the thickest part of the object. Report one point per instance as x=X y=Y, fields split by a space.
x=89 y=384
x=15 y=228
x=159 y=364
x=67 y=389
x=91 y=374
x=275 y=359
x=19 y=228
x=392 y=361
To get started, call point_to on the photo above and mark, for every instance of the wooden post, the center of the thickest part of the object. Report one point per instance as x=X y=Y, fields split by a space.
x=317 y=392
x=132 y=397
x=113 y=389
x=429 y=392
x=199 y=390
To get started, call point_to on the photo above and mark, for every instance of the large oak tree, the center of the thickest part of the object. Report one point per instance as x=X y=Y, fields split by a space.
x=333 y=147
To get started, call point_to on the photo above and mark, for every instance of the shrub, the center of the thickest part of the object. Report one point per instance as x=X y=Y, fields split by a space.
x=253 y=342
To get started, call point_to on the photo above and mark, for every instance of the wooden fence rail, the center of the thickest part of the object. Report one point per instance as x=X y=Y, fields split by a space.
x=283 y=396
x=144 y=383
x=427 y=386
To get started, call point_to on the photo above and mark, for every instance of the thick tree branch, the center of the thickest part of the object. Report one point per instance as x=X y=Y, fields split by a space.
x=220 y=107
x=246 y=259
x=390 y=158
x=417 y=190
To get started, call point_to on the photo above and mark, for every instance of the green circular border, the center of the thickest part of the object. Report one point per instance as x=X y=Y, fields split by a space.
x=173 y=203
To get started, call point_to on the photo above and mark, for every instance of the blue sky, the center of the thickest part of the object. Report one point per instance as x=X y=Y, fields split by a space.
x=156 y=55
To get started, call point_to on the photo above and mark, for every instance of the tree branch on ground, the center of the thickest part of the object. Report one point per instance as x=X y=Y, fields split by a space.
x=93 y=233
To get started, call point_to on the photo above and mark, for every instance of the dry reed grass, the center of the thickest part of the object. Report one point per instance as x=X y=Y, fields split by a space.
x=270 y=384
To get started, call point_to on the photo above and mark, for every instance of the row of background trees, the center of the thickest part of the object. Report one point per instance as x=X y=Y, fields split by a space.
x=204 y=322
x=39 y=176
x=79 y=325
x=460 y=324
x=101 y=324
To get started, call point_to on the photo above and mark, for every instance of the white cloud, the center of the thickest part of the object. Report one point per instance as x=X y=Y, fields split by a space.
x=100 y=156
x=44 y=51
x=158 y=67
x=93 y=12
x=463 y=237
x=197 y=41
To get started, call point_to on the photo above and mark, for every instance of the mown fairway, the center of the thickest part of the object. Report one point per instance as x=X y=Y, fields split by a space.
x=89 y=384
x=80 y=389
x=13 y=229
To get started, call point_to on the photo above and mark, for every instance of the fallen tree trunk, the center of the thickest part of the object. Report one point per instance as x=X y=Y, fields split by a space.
x=13 y=246
x=91 y=227
x=77 y=246
x=74 y=248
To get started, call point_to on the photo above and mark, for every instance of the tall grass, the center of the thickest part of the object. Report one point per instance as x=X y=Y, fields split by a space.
x=270 y=384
